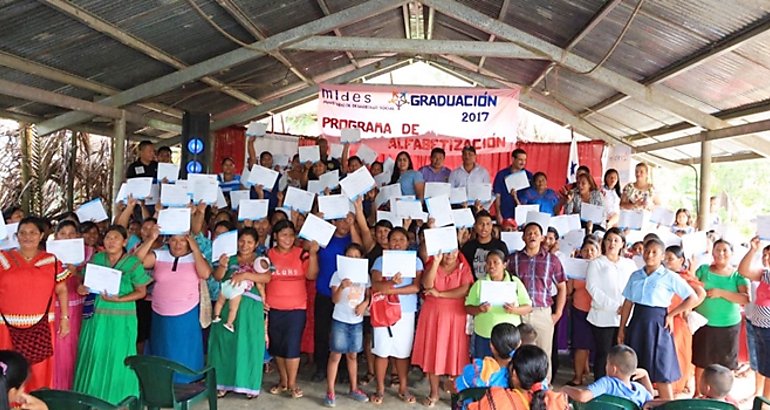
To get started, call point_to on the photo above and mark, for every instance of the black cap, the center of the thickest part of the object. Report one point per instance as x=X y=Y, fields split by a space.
x=469 y=148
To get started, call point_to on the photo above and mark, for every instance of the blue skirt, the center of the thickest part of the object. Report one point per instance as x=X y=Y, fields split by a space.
x=178 y=338
x=653 y=343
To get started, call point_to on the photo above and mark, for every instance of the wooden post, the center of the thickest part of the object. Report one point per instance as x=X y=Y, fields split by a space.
x=25 y=134
x=71 y=164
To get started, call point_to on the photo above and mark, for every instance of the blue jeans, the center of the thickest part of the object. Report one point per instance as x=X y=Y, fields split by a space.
x=346 y=337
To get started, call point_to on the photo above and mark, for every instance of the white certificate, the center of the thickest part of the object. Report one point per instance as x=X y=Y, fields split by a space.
x=498 y=293
x=366 y=154
x=669 y=238
x=315 y=186
x=463 y=218
x=154 y=196
x=92 y=210
x=139 y=188
x=458 y=196
x=330 y=179
x=204 y=188
x=517 y=181
x=437 y=189
x=387 y=192
x=101 y=279
x=662 y=216
x=382 y=179
x=541 y=218
x=184 y=184
x=358 y=183
x=440 y=210
x=122 y=195
x=299 y=200
x=513 y=240
x=68 y=251
x=174 y=196
x=174 y=221
x=354 y=269
x=388 y=164
x=403 y=262
x=334 y=206
x=521 y=211
x=282 y=160
x=4 y=230
x=390 y=216
x=252 y=209
x=694 y=243
x=631 y=220
x=350 y=135
x=573 y=240
x=575 y=268
x=316 y=229
x=440 y=240
x=225 y=244
x=481 y=192
x=763 y=227
x=565 y=223
x=336 y=150
x=11 y=242
x=237 y=196
x=592 y=213
x=256 y=129
x=408 y=208
x=260 y=175
x=168 y=171
x=221 y=200
x=310 y=153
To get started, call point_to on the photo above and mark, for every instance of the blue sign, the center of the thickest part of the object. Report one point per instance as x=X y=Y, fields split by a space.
x=194 y=167
x=195 y=146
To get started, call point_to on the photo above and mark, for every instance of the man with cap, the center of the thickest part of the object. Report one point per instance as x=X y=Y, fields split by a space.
x=506 y=203
x=469 y=172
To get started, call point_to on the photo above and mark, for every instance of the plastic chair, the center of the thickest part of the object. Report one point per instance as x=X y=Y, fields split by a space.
x=705 y=404
x=607 y=402
x=472 y=394
x=157 y=387
x=70 y=400
x=758 y=402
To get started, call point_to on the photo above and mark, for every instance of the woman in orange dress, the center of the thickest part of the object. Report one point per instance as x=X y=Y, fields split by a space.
x=29 y=281
x=440 y=343
x=675 y=261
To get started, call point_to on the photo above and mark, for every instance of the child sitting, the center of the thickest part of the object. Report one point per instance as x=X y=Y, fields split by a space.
x=492 y=371
x=621 y=369
x=14 y=370
x=232 y=292
x=527 y=333
x=716 y=383
x=528 y=369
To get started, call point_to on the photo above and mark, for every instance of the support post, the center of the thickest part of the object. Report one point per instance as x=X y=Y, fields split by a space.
x=25 y=131
x=118 y=159
x=71 y=163
x=704 y=213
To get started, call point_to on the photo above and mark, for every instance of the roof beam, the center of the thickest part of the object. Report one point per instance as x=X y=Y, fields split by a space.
x=722 y=158
x=649 y=94
x=243 y=19
x=325 y=8
x=722 y=133
x=414 y=47
x=710 y=52
x=500 y=16
x=407 y=21
x=306 y=93
x=87 y=128
x=215 y=64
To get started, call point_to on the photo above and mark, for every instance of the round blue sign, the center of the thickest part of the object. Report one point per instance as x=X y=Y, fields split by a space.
x=195 y=146
x=194 y=167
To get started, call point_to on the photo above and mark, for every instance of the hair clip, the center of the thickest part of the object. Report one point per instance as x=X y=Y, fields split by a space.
x=3 y=368
x=512 y=353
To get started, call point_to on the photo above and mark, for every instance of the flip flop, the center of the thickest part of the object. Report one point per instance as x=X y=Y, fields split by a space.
x=297 y=393
x=407 y=398
x=278 y=389
x=376 y=398
x=429 y=402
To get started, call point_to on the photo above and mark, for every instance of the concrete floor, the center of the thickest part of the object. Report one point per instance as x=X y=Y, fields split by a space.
x=315 y=392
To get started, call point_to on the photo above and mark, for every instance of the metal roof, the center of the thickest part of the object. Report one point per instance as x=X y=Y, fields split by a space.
x=689 y=66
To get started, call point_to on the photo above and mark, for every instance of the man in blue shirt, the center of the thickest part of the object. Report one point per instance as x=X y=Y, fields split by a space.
x=436 y=171
x=505 y=203
x=621 y=370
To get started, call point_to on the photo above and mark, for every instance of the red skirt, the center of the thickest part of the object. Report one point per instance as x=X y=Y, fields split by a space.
x=440 y=344
x=40 y=374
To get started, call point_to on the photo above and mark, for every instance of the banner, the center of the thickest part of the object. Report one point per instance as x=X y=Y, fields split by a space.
x=430 y=113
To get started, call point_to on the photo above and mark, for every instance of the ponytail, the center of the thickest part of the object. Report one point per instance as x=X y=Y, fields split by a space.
x=530 y=366
x=538 y=397
x=13 y=373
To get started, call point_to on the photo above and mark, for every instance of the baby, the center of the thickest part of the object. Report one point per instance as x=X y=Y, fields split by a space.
x=233 y=293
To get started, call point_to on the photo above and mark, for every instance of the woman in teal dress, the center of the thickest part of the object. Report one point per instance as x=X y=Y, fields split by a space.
x=238 y=356
x=109 y=336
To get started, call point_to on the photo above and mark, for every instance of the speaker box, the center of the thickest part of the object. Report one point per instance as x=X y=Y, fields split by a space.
x=196 y=144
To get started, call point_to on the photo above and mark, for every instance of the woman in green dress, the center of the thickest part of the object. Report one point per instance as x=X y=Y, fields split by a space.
x=238 y=355
x=109 y=336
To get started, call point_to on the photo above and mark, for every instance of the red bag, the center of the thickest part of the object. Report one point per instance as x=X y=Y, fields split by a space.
x=385 y=310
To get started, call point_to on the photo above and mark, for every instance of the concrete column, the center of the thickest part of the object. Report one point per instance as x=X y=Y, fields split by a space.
x=118 y=159
x=705 y=185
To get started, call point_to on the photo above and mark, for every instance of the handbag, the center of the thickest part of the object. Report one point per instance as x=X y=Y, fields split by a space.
x=204 y=313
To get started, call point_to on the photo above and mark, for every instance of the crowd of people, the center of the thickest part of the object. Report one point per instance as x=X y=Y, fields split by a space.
x=630 y=313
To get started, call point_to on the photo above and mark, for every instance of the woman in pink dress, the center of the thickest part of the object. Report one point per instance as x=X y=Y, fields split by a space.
x=66 y=347
x=441 y=344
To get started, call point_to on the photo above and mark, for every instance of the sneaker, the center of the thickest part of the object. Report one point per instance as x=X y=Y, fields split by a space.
x=329 y=400
x=229 y=327
x=216 y=319
x=358 y=396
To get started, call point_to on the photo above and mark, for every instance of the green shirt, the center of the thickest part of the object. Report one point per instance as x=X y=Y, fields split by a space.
x=720 y=312
x=484 y=322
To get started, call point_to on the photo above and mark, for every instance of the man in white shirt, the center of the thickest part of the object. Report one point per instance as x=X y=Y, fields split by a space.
x=469 y=172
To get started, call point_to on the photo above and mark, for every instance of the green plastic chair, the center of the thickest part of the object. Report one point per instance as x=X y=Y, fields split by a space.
x=607 y=402
x=758 y=402
x=158 y=390
x=70 y=400
x=472 y=394
x=696 y=404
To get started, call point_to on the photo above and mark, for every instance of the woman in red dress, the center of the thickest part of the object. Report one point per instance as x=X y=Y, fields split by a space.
x=441 y=344
x=29 y=281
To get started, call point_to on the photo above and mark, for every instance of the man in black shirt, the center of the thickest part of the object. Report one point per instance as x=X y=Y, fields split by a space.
x=331 y=163
x=145 y=165
x=476 y=250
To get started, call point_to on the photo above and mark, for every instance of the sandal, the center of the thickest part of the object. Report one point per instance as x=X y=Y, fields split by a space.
x=278 y=389
x=251 y=396
x=429 y=401
x=221 y=393
x=376 y=398
x=368 y=378
x=407 y=398
x=296 y=393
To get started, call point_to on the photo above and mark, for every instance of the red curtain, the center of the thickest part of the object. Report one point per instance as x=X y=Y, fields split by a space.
x=230 y=143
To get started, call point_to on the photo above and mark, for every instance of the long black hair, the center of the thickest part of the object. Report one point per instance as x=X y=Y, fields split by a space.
x=14 y=370
x=397 y=172
x=617 y=185
x=530 y=365
x=505 y=339
x=614 y=231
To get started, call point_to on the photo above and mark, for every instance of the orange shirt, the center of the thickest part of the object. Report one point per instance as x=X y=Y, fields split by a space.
x=581 y=299
x=286 y=289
